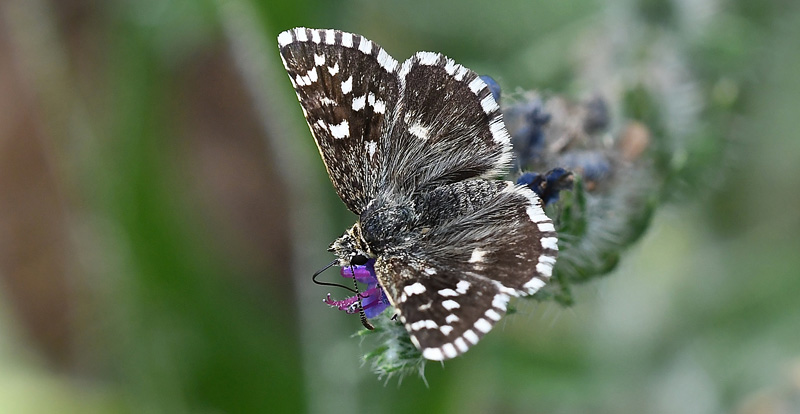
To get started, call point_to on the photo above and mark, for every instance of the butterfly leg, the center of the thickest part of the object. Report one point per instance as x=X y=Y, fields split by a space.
x=361 y=313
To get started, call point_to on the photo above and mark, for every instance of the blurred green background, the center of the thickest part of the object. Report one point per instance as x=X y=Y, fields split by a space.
x=162 y=206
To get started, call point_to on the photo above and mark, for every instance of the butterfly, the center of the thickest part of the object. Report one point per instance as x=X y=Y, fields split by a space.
x=412 y=149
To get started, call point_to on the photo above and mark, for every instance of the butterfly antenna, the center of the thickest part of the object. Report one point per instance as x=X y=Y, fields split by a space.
x=314 y=278
x=361 y=313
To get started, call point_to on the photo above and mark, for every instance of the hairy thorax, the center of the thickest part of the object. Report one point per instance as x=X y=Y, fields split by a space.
x=383 y=227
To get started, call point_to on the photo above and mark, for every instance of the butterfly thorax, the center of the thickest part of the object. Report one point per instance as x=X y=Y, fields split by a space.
x=388 y=226
x=385 y=226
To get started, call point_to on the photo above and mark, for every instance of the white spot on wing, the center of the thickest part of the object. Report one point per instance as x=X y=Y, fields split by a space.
x=461 y=345
x=544 y=269
x=477 y=255
x=315 y=36
x=499 y=132
x=365 y=46
x=347 y=86
x=446 y=329
x=347 y=39
x=546 y=227
x=536 y=214
x=534 y=284
x=334 y=70
x=301 y=34
x=341 y=131
x=461 y=72
x=493 y=315
x=371 y=147
x=330 y=36
x=476 y=85
x=427 y=58
x=547 y=259
x=450 y=67
x=359 y=103
x=505 y=156
x=450 y=304
x=404 y=69
x=319 y=60
x=483 y=325
x=415 y=289
x=312 y=75
x=550 y=243
x=379 y=107
x=462 y=286
x=448 y=292
x=451 y=318
x=415 y=341
x=386 y=61
x=506 y=290
x=500 y=301
x=434 y=354
x=489 y=105
x=284 y=38
x=424 y=324
x=419 y=131
x=449 y=350
x=470 y=336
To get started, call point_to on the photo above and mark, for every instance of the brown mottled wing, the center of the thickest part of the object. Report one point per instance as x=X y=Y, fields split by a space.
x=448 y=126
x=428 y=122
x=347 y=87
x=485 y=242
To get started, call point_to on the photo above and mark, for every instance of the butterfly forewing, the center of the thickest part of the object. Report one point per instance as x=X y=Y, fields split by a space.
x=448 y=127
x=347 y=87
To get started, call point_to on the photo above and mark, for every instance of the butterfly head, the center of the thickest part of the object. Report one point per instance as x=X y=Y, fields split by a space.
x=351 y=248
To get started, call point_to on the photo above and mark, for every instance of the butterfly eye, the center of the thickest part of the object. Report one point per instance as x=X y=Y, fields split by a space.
x=358 y=260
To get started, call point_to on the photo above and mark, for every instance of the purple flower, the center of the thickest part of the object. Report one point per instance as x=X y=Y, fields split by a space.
x=373 y=299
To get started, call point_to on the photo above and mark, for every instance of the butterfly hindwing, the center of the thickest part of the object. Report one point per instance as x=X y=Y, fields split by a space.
x=484 y=241
x=347 y=87
x=444 y=313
